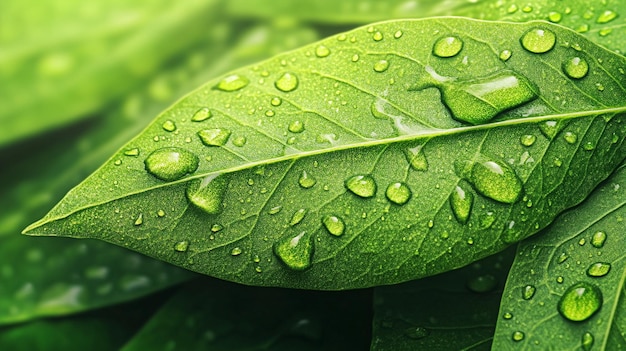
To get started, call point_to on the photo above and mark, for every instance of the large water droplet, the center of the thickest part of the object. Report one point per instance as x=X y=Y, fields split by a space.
x=296 y=252
x=398 y=193
x=171 y=163
x=298 y=216
x=169 y=126
x=361 y=185
x=233 y=82
x=554 y=17
x=334 y=225
x=296 y=126
x=496 y=181
x=580 y=301
x=586 y=341
x=214 y=137
x=538 y=40
x=201 y=115
x=518 y=336
x=576 y=67
x=598 y=269
x=416 y=158
x=208 y=194
x=447 y=46
x=483 y=283
x=381 y=66
x=528 y=139
x=461 y=202
x=528 y=292
x=606 y=16
x=287 y=82
x=598 y=238
x=306 y=181
x=322 y=51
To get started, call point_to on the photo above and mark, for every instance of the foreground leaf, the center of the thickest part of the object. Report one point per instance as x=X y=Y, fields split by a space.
x=584 y=245
x=452 y=311
x=354 y=159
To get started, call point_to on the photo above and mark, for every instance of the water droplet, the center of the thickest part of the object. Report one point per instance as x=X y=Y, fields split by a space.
x=416 y=333
x=216 y=228
x=416 y=158
x=276 y=101
x=598 y=239
x=576 y=68
x=528 y=139
x=599 y=86
x=334 y=225
x=528 y=292
x=582 y=241
x=355 y=58
x=296 y=126
x=181 y=246
x=398 y=34
x=214 y=137
x=586 y=341
x=512 y=9
x=482 y=283
x=562 y=257
x=527 y=9
x=132 y=152
x=270 y=113
x=554 y=17
x=583 y=28
x=161 y=213
x=381 y=66
x=201 y=115
x=306 y=181
x=378 y=36
x=605 y=31
x=117 y=162
x=208 y=194
x=296 y=252
x=588 y=146
x=606 y=16
x=361 y=185
x=538 y=40
x=287 y=82
x=570 y=137
x=171 y=163
x=505 y=55
x=240 y=141
x=461 y=202
x=169 y=126
x=518 y=336
x=580 y=301
x=507 y=315
x=298 y=216
x=598 y=269
x=322 y=51
x=233 y=82
x=560 y=279
x=550 y=129
x=398 y=193
x=496 y=181
x=447 y=47
x=274 y=210
x=139 y=220
x=236 y=251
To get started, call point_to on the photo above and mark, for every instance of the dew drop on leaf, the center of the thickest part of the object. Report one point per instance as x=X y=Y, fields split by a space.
x=306 y=180
x=274 y=210
x=538 y=40
x=570 y=137
x=334 y=225
x=236 y=251
x=606 y=17
x=381 y=66
x=361 y=185
x=576 y=68
x=232 y=82
x=378 y=36
x=208 y=194
x=169 y=126
x=461 y=202
x=528 y=292
x=554 y=17
x=139 y=220
x=505 y=55
x=201 y=115
x=214 y=137
x=416 y=333
x=276 y=101
x=482 y=283
x=507 y=315
x=286 y=82
x=240 y=141
x=580 y=301
x=528 y=139
x=598 y=269
x=416 y=158
x=296 y=126
x=586 y=341
x=216 y=228
x=598 y=238
x=181 y=246
x=398 y=193
x=549 y=129
x=296 y=252
x=496 y=181
x=447 y=46
x=518 y=336
x=398 y=34
x=298 y=216
x=171 y=163
x=132 y=152
x=322 y=51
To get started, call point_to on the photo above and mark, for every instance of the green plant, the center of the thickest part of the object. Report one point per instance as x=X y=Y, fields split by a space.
x=374 y=160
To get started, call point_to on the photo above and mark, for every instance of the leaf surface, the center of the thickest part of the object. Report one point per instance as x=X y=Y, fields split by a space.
x=583 y=245
x=389 y=153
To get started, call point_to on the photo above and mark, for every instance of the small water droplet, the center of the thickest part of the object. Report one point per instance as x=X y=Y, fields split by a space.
x=296 y=252
x=416 y=333
x=276 y=101
x=598 y=238
x=447 y=47
x=586 y=341
x=216 y=228
x=240 y=141
x=232 y=82
x=580 y=301
x=582 y=241
x=117 y=162
x=606 y=16
x=461 y=202
x=554 y=17
x=132 y=152
x=416 y=158
x=287 y=82
x=381 y=66
x=570 y=137
x=528 y=292
x=181 y=246
x=605 y=31
x=214 y=137
x=398 y=193
x=518 y=336
x=527 y=9
x=528 y=139
x=562 y=257
x=171 y=163
x=538 y=40
x=378 y=36
x=496 y=181
x=296 y=126
x=599 y=86
x=583 y=28
x=598 y=269
x=550 y=129
x=270 y=113
x=139 y=220
x=398 y=34
x=306 y=181
x=334 y=225
x=505 y=55
x=169 y=126
x=361 y=185
x=507 y=315
x=274 y=210
x=560 y=279
x=208 y=194
x=236 y=251
x=482 y=283
x=588 y=146
x=512 y=9
x=298 y=216
x=322 y=51
x=201 y=115
x=576 y=67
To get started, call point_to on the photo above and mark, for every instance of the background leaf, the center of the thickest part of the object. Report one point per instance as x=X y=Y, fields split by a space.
x=570 y=151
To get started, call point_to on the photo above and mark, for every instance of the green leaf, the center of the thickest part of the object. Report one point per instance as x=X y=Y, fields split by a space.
x=211 y=314
x=371 y=130
x=456 y=310
x=584 y=245
x=61 y=61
